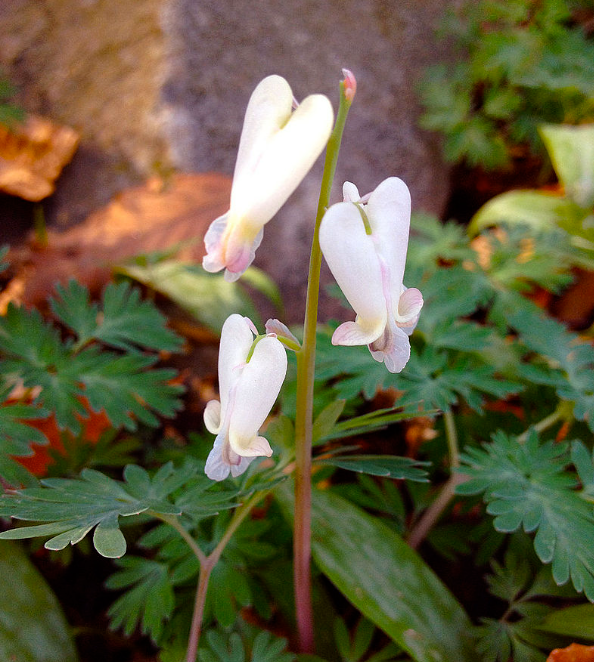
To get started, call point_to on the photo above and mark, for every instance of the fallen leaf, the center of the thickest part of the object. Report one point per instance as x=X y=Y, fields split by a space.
x=573 y=653
x=32 y=156
x=92 y=428
x=158 y=216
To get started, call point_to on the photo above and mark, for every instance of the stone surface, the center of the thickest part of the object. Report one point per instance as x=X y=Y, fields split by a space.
x=155 y=85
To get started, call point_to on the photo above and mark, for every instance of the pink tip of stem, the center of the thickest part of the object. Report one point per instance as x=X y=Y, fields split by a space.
x=350 y=84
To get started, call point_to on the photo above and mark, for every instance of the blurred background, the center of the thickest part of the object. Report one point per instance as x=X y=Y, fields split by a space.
x=450 y=97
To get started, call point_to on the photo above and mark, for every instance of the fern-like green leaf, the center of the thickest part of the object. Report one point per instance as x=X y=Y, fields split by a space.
x=16 y=438
x=71 y=508
x=526 y=485
x=123 y=321
x=149 y=598
x=120 y=384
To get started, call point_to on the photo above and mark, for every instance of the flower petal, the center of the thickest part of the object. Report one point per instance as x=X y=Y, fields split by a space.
x=285 y=160
x=236 y=341
x=409 y=307
x=214 y=259
x=256 y=392
x=240 y=251
x=393 y=348
x=350 y=193
x=388 y=211
x=216 y=468
x=354 y=333
x=279 y=329
x=352 y=257
x=212 y=416
x=238 y=469
x=268 y=110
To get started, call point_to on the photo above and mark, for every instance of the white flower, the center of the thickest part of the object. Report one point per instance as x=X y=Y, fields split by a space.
x=276 y=150
x=250 y=378
x=365 y=243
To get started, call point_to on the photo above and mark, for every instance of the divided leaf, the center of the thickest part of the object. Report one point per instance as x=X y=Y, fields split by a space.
x=16 y=438
x=526 y=485
x=71 y=507
x=124 y=321
x=120 y=384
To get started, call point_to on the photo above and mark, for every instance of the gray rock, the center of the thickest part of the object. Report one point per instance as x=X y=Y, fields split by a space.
x=155 y=85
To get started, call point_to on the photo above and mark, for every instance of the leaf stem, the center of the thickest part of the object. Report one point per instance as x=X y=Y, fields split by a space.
x=207 y=563
x=177 y=525
x=559 y=413
x=238 y=516
x=433 y=513
x=305 y=390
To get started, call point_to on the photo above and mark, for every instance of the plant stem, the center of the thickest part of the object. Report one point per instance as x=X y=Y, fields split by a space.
x=196 y=627
x=39 y=224
x=433 y=513
x=176 y=524
x=238 y=516
x=306 y=357
x=207 y=563
x=541 y=426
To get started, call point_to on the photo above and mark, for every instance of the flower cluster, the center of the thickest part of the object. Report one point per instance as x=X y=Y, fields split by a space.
x=363 y=239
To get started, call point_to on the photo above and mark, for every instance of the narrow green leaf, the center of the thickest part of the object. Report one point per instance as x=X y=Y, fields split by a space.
x=32 y=627
x=571 y=149
x=576 y=621
x=386 y=580
x=388 y=466
x=326 y=420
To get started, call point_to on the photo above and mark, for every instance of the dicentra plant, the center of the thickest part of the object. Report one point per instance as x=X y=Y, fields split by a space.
x=487 y=391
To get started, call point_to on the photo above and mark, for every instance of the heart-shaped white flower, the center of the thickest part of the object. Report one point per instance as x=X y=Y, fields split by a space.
x=250 y=378
x=365 y=242
x=276 y=150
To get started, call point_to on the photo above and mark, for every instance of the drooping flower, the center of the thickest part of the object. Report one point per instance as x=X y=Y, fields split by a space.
x=251 y=373
x=365 y=242
x=276 y=150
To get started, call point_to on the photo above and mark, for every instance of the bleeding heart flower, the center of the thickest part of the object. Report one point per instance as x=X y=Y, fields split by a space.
x=364 y=242
x=276 y=150
x=251 y=373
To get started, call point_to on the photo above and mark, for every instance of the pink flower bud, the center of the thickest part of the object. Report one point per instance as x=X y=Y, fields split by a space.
x=350 y=84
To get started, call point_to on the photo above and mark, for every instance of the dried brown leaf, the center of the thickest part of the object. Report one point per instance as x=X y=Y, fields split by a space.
x=573 y=653
x=155 y=217
x=32 y=156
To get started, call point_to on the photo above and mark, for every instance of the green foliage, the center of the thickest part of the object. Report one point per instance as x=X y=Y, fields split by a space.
x=124 y=321
x=355 y=648
x=526 y=484
x=33 y=627
x=518 y=67
x=71 y=508
x=67 y=370
x=149 y=599
x=565 y=216
x=16 y=437
x=560 y=359
x=388 y=466
x=3 y=253
x=10 y=113
x=263 y=647
x=385 y=579
x=529 y=596
x=207 y=297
